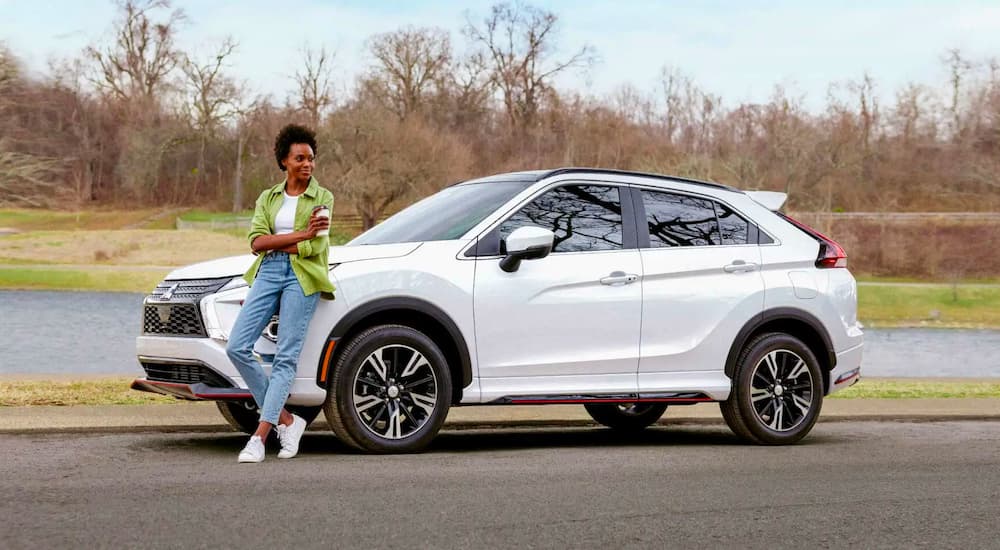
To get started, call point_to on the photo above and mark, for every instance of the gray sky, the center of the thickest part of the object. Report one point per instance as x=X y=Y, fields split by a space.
x=737 y=49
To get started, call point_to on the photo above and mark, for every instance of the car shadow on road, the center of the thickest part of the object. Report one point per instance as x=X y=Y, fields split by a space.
x=538 y=438
x=321 y=442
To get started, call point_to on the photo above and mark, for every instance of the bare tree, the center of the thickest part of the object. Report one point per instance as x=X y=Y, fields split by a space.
x=9 y=66
x=379 y=159
x=28 y=180
x=315 y=93
x=469 y=86
x=136 y=66
x=210 y=97
x=246 y=117
x=958 y=67
x=518 y=40
x=408 y=62
x=908 y=112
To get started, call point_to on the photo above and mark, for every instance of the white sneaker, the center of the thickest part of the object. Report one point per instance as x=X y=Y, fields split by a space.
x=254 y=451
x=290 y=435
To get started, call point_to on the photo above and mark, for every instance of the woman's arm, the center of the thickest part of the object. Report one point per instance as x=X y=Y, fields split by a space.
x=289 y=241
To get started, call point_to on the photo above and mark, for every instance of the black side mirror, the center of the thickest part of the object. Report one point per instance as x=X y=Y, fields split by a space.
x=512 y=262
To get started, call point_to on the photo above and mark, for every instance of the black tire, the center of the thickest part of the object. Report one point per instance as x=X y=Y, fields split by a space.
x=244 y=416
x=626 y=416
x=775 y=400
x=379 y=413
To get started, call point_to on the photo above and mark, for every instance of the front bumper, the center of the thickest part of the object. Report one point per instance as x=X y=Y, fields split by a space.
x=210 y=354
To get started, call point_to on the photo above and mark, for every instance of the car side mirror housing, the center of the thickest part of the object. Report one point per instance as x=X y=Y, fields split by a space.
x=526 y=243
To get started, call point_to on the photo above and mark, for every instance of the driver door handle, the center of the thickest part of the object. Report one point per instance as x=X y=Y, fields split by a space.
x=618 y=278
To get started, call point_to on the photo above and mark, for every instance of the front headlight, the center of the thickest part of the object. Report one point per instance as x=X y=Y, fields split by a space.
x=219 y=310
x=237 y=282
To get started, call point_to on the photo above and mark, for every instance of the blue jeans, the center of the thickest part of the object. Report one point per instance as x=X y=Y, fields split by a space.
x=275 y=283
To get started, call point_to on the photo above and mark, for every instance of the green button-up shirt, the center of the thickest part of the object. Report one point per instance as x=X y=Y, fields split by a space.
x=310 y=264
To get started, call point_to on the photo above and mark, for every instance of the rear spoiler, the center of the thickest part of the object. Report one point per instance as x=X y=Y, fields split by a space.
x=772 y=200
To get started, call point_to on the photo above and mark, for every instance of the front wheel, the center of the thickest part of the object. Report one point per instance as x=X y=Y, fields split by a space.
x=777 y=391
x=626 y=416
x=390 y=392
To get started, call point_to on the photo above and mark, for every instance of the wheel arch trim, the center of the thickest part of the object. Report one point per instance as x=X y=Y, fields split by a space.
x=782 y=314
x=393 y=303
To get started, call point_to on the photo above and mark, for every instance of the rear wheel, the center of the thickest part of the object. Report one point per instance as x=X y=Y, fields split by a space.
x=626 y=416
x=244 y=416
x=390 y=392
x=777 y=391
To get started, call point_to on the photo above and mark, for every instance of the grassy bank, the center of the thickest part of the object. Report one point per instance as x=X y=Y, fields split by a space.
x=943 y=306
x=115 y=391
x=104 y=391
x=29 y=219
x=922 y=389
x=95 y=279
x=135 y=247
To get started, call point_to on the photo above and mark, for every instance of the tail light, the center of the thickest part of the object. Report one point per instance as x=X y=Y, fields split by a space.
x=831 y=254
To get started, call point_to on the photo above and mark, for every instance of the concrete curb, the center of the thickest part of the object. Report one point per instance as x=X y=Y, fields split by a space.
x=204 y=417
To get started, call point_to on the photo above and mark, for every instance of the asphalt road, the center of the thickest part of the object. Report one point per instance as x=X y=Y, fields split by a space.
x=862 y=484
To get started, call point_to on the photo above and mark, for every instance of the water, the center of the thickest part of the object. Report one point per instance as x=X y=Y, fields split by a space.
x=94 y=333
x=44 y=332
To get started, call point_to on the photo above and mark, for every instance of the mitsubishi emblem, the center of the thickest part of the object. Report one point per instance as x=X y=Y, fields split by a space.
x=164 y=313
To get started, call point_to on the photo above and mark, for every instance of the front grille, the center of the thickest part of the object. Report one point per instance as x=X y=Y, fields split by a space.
x=172 y=308
x=190 y=290
x=184 y=374
x=172 y=320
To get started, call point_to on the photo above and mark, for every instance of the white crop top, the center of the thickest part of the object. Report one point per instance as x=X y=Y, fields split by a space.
x=284 y=222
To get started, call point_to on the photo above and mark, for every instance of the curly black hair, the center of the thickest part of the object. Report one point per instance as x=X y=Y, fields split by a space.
x=293 y=133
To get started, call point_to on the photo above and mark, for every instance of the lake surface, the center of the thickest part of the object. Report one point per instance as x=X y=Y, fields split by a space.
x=91 y=333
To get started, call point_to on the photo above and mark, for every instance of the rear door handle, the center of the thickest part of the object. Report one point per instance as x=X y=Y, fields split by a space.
x=739 y=266
x=617 y=278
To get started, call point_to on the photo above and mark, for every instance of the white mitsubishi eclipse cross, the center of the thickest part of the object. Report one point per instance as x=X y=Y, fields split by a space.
x=623 y=292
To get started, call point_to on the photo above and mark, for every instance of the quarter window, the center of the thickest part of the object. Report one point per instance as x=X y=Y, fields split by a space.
x=734 y=229
x=582 y=217
x=679 y=220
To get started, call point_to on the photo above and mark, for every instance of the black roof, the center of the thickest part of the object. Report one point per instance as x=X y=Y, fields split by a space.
x=542 y=174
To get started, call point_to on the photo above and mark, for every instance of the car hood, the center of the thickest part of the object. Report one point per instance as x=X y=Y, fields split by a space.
x=238 y=265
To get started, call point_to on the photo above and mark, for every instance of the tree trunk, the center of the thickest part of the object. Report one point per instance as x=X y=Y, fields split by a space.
x=238 y=177
x=201 y=164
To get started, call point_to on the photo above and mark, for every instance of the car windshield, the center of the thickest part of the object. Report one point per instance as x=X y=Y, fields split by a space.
x=447 y=214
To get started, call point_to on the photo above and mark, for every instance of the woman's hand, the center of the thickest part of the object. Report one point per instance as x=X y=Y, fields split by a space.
x=317 y=224
x=288 y=242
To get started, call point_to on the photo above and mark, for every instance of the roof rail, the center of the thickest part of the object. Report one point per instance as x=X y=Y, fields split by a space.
x=580 y=170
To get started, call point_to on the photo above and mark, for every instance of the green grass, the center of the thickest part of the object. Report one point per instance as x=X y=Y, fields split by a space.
x=26 y=219
x=944 y=281
x=105 y=391
x=109 y=280
x=898 y=389
x=929 y=306
x=207 y=216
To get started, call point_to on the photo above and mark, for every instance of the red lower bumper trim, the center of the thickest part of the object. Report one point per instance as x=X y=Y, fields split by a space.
x=194 y=392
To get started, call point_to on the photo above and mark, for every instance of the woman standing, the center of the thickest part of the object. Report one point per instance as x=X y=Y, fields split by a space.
x=289 y=235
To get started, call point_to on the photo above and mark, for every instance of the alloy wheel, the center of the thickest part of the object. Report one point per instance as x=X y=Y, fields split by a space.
x=395 y=391
x=781 y=390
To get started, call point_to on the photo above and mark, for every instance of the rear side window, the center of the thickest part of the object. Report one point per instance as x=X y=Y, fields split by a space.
x=733 y=228
x=679 y=220
x=583 y=217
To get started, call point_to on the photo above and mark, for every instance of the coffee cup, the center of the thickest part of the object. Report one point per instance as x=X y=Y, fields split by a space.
x=322 y=212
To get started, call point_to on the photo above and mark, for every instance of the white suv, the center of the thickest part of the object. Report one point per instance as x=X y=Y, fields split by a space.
x=620 y=291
